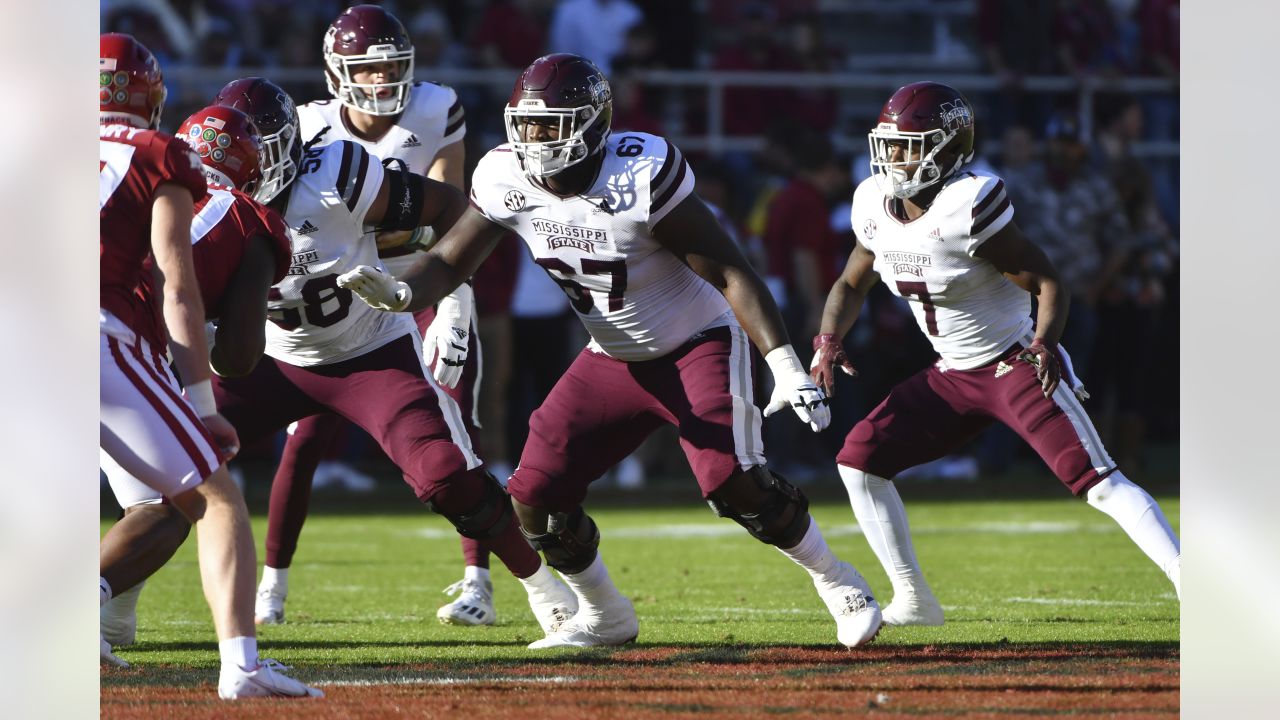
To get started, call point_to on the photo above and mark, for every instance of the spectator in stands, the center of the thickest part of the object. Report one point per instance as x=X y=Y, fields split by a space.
x=816 y=108
x=748 y=110
x=495 y=285
x=679 y=43
x=1087 y=40
x=1015 y=37
x=510 y=34
x=594 y=29
x=1159 y=23
x=542 y=326
x=630 y=110
x=433 y=40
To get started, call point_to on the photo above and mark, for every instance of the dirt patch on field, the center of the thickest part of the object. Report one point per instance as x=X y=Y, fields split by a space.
x=1116 y=680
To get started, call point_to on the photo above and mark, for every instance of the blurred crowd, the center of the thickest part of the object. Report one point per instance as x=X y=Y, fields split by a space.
x=1104 y=211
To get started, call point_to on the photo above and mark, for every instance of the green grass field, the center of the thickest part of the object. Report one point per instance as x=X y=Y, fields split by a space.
x=365 y=587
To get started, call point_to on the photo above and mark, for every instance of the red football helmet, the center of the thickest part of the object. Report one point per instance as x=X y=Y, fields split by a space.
x=363 y=35
x=569 y=91
x=933 y=124
x=228 y=144
x=130 y=85
x=273 y=112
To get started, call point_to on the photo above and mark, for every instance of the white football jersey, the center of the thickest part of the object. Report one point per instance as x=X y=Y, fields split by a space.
x=433 y=119
x=637 y=299
x=969 y=310
x=312 y=321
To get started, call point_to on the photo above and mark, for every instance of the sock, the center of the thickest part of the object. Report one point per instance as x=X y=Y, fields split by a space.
x=275 y=578
x=541 y=581
x=883 y=520
x=592 y=585
x=812 y=554
x=1140 y=517
x=476 y=573
x=104 y=591
x=239 y=652
x=123 y=605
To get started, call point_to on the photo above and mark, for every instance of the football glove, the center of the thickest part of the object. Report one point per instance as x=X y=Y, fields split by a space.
x=1045 y=361
x=378 y=289
x=793 y=388
x=828 y=352
x=446 y=341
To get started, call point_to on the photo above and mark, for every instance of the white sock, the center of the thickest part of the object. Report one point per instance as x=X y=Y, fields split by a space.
x=1140 y=517
x=104 y=591
x=275 y=578
x=473 y=572
x=124 y=604
x=239 y=652
x=593 y=585
x=812 y=554
x=883 y=520
x=540 y=581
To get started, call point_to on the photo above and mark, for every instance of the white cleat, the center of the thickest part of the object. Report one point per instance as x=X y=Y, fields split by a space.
x=266 y=680
x=118 y=619
x=913 y=606
x=554 y=608
x=474 y=605
x=106 y=657
x=268 y=609
x=612 y=624
x=855 y=610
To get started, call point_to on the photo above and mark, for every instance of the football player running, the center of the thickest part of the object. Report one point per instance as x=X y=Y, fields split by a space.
x=173 y=443
x=328 y=353
x=239 y=248
x=419 y=126
x=942 y=236
x=669 y=302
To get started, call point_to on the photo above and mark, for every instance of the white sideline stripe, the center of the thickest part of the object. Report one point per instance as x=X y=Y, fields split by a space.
x=729 y=529
x=552 y=680
x=1075 y=601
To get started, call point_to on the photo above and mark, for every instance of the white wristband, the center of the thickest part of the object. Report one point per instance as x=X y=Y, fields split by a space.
x=783 y=360
x=404 y=295
x=200 y=395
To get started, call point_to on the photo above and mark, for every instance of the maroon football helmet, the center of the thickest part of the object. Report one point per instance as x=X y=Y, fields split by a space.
x=933 y=124
x=228 y=144
x=363 y=35
x=564 y=90
x=273 y=112
x=130 y=85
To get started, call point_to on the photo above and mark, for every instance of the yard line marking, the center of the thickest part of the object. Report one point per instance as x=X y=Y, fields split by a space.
x=551 y=680
x=728 y=529
x=1075 y=601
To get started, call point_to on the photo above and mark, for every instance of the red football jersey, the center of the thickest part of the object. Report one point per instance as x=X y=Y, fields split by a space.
x=132 y=163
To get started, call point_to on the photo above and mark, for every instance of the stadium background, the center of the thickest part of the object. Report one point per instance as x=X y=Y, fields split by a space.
x=772 y=101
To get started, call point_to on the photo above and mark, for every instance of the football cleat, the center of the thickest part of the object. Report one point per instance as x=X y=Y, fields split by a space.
x=553 y=608
x=118 y=619
x=106 y=657
x=268 y=609
x=855 y=610
x=266 y=680
x=612 y=624
x=913 y=606
x=474 y=605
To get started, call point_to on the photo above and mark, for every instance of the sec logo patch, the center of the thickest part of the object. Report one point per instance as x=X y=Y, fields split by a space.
x=514 y=200
x=869 y=229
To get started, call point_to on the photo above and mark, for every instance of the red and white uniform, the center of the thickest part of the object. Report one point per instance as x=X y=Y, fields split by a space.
x=970 y=312
x=146 y=425
x=225 y=220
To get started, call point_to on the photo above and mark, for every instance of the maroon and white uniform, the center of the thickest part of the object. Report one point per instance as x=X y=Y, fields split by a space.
x=665 y=347
x=146 y=425
x=225 y=220
x=978 y=322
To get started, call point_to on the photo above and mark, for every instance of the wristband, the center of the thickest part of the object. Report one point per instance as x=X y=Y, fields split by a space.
x=823 y=339
x=782 y=360
x=404 y=295
x=200 y=395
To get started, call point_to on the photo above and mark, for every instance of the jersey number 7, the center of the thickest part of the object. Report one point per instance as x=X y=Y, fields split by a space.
x=920 y=290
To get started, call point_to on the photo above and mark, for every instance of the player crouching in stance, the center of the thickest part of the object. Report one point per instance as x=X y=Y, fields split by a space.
x=943 y=238
x=173 y=443
x=661 y=290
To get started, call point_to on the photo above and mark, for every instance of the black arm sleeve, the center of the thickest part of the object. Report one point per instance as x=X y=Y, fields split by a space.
x=406 y=192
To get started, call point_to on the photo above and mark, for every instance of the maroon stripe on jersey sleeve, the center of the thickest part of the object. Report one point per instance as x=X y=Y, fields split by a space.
x=985 y=222
x=457 y=118
x=344 y=168
x=666 y=194
x=996 y=193
x=360 y=175
x=672 y=159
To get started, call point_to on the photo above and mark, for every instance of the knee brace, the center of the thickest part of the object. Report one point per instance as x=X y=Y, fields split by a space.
x=773 y=510
x=570 y=542
x=487 y=519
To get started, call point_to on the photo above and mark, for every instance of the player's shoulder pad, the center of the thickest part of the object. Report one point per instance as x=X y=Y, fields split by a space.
x=670 y=177
x=314 y=117
x=497 y=173
x=345 y=167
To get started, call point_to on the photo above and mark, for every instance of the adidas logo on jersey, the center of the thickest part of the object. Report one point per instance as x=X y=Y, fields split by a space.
x=412 y=141
x=936 y=235
x=1003 y=368
x=307 y=228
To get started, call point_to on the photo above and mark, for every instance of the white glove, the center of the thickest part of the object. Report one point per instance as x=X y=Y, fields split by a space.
x=446 y=341
x=793 y=388
x=378 y=289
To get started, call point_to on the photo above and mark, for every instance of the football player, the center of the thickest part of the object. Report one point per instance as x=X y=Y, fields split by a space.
x=419 y=126
x=669 y=302
x=941 y=234
x=326 y=352
x=239 y=249
x=174 y=443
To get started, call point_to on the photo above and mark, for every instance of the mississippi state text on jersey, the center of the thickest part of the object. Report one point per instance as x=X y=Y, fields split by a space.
x=132 y=163
x=970 y=311
x=637 y=300
x=312 y=320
